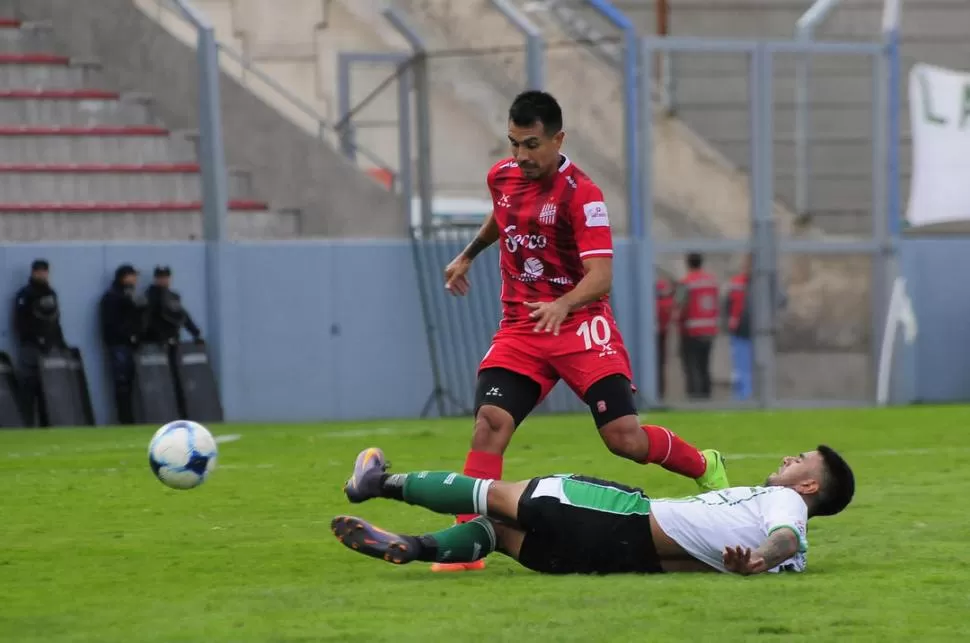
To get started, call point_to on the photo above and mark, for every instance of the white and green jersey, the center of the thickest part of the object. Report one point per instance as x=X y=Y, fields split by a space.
x=704 y=525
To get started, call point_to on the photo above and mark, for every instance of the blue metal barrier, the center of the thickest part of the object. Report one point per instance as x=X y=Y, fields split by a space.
x=459 y=329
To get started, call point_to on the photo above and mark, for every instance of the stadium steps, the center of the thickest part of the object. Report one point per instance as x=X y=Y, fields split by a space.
x=74 y=107
x=163 y=221
x=27 y=183
x=26 y=37
x=78 y=161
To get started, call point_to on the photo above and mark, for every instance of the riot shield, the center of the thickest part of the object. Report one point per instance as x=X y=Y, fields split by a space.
x=10 y=415
x=153 y=394
x=63 y=386
x=198 y=391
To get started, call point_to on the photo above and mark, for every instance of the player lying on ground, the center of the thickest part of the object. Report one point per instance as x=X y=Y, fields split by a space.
x=574 y=524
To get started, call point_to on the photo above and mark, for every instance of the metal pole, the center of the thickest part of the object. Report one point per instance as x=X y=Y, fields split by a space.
x=404 y=173
x=805 y=32
x=892 y=12
x=880 y=260
x=762 y=210
x=770 y=281
x=215 y=191
x=666 y=67
x=643 y=252
x=422 y=90
x=535 y=44
x=347 y=130
x=631 y=109
x=887 y=224
x=214 y=178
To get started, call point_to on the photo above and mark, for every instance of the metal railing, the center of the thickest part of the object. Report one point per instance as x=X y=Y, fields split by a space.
x=889 y=203
x=324 y=127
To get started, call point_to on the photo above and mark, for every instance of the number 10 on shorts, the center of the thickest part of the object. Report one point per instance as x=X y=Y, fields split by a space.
x=595 y=332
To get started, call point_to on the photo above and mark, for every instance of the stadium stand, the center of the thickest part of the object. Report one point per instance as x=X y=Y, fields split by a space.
x=313 y=189
x=78 y=161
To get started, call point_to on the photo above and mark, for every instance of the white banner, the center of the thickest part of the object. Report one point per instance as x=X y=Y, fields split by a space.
x=939 y=108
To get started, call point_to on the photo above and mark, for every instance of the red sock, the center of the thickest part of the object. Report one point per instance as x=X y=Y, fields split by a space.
x=482 y=465
x=673 y=454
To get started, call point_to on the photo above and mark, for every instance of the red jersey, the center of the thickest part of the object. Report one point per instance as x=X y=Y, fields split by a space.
x=546 y=229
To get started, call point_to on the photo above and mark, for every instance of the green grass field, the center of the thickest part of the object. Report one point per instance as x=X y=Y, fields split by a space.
x=94 y=548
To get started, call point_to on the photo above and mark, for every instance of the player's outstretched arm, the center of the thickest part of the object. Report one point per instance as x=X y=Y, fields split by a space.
x=456 y=280
x=487 y=235
x=781 y=545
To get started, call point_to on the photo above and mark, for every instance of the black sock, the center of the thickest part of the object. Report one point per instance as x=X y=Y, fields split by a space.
x=427 y=548
x=392 y=485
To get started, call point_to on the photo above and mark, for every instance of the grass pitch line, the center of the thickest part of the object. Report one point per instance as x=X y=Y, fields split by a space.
x=106 y=448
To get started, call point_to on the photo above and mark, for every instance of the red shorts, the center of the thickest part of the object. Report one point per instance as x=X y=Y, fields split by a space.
x=587 y=349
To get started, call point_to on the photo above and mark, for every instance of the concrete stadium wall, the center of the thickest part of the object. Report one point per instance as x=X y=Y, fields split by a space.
x=936 y=367
x=357 y=347
x=356 y=350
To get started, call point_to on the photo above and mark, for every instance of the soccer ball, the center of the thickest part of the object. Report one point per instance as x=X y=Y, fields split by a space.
x=182 y=454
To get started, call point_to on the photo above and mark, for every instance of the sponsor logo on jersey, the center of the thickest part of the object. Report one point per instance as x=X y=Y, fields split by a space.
x=596 y=216
x=515 y=241
x=532 y=269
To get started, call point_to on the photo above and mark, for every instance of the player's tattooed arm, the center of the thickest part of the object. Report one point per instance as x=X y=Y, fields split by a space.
x=487 y=235
x=781 y=545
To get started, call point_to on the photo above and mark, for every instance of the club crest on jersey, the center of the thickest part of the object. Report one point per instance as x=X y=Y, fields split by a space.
x=504 y=201
x=547 y=215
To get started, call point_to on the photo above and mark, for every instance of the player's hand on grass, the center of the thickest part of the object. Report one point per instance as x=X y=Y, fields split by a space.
x=741 y=560
x=549 y=315
x=456 y=280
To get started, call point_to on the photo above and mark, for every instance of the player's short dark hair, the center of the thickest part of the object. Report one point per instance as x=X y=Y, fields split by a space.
x=531 y=107
x=695 y=260
x=837 y=486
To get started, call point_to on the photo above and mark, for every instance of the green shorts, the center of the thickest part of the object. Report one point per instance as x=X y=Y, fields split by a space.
x=581 y=525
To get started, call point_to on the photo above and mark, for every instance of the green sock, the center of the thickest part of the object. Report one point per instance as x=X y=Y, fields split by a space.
x=464 y=543
x=440 y=491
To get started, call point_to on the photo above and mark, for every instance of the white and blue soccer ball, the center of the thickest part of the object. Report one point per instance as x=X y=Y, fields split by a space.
x=182 y=454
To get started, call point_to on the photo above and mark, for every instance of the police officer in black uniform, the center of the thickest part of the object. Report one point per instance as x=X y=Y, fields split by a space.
x=166 y=315
x=38 y=326
x=123 y=319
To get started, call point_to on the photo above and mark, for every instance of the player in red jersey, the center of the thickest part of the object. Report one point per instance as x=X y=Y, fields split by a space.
x=557 y=271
